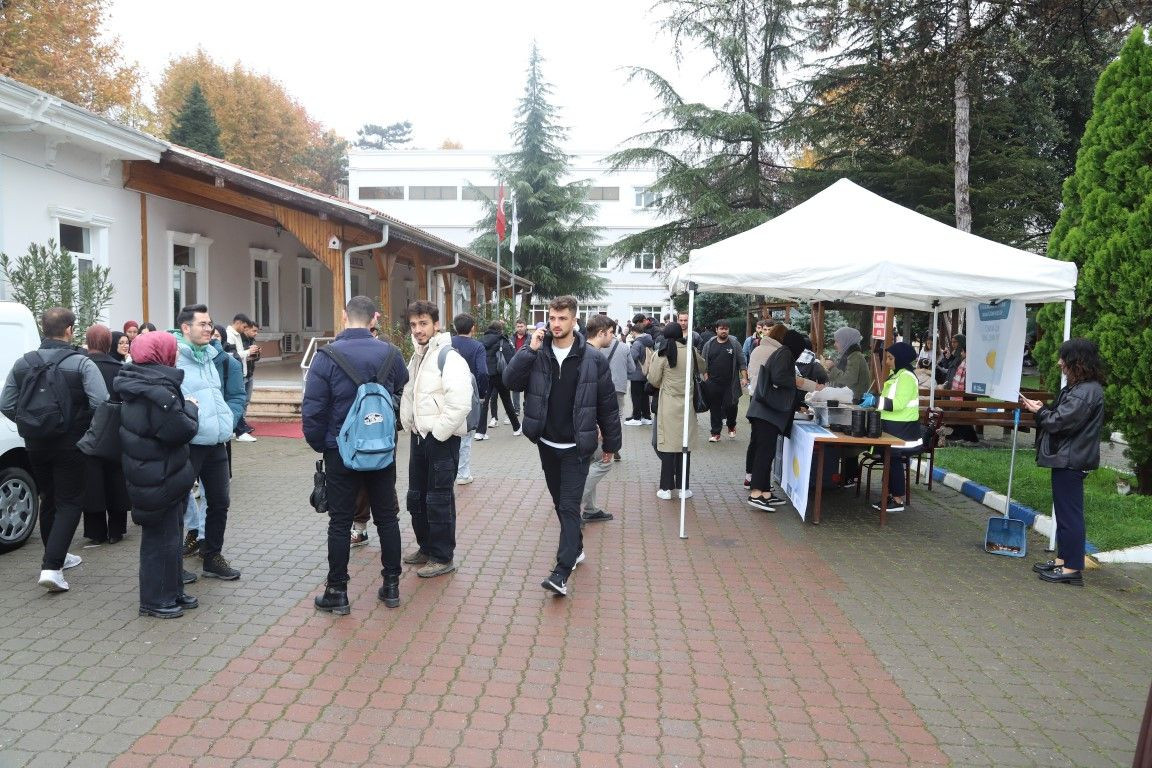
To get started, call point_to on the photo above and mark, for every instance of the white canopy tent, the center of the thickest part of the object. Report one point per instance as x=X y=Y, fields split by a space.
x=848 y=244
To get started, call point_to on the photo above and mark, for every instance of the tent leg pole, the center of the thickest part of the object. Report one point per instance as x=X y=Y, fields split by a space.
x=935 y=355
x=689 y=363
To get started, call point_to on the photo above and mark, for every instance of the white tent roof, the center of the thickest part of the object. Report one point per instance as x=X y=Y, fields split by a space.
x=848 y=244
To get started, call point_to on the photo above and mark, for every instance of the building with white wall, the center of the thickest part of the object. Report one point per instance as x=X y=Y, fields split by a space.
x=442 y=192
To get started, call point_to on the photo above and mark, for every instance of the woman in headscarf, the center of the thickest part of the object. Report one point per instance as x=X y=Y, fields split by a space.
x=771 y=410
x=899 y=406
x=156 y=425
x=851 y=367
x=1070 y=446
x=666 y=373
x=105 y=496
x=131 y=330
x=119 y=347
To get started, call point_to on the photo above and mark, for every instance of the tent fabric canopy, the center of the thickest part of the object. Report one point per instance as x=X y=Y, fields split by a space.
x=848 y=244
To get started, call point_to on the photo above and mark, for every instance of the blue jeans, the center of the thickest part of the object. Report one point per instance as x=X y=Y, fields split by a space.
x=194 y=514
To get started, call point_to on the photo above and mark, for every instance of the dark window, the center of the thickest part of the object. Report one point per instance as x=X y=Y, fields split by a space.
x=380 y=193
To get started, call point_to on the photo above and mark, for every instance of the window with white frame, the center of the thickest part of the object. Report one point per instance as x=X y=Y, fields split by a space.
x=589 y=310
x=265 y=288
x=646 y=262
x=643 y=197
x=307 y=295
x=83 y=234
x=648 y=310
x=187 y=270
x=77 y=240
x=355 y=279
x=602 y=259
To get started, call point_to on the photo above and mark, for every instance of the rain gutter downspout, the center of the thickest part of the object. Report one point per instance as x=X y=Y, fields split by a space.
x=357 y=249
x=433 y=270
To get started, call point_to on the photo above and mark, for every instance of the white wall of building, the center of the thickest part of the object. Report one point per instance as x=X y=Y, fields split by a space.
x=630 y=287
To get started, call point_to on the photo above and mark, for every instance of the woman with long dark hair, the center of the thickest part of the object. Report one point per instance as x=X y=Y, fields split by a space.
x=1070 y=445
x=156 y=425
x=666 y=373
x=105 y=495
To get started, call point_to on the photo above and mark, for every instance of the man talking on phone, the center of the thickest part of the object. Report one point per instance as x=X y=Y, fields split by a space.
x=569 y=408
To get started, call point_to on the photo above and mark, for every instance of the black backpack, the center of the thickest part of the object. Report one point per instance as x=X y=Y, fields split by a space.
x=44 y=404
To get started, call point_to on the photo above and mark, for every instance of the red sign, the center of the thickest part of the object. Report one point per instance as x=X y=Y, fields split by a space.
x=879 y=324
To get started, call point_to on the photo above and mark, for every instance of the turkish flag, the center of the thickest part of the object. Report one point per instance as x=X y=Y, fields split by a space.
x=501 y=221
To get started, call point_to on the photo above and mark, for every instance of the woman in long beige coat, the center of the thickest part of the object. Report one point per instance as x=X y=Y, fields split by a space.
x=666 y=373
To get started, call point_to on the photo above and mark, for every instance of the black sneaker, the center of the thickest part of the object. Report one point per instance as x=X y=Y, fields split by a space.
x=188 y=577
x=191 y=544
x=893 y=505
x=556 y=583
x=597 y=516
x=216 y=567
x=761 y=503
x=775 y=500
x=359 y=537
x=334 y=601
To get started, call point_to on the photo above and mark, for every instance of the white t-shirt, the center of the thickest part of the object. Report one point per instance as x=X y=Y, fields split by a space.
x=560 y=353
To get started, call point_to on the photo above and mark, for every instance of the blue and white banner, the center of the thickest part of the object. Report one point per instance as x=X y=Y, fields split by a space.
x=995 y=344
x=796 y=469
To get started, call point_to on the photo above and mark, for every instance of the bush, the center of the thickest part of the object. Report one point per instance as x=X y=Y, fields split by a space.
x=46 y=277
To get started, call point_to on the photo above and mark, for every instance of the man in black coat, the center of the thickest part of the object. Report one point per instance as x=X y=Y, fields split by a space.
x=570 y=404
x=328 y=396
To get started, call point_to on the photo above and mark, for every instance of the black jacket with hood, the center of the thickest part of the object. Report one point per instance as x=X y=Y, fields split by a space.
x=156 y=425
x=594 y=407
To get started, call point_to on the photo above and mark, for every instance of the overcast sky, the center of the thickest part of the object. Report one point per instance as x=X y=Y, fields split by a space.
x=454 y=69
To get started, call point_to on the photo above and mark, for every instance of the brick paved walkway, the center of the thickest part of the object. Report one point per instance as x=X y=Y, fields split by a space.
x=757 y=641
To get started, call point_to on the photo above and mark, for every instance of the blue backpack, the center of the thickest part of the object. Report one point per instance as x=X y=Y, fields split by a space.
x=367 y=439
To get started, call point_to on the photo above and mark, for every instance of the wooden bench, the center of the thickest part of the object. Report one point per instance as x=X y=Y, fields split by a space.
x=969 y=409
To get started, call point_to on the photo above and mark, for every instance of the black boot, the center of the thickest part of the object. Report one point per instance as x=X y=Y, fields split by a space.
x=334 y=600
x=187 y=602
x=389 y=594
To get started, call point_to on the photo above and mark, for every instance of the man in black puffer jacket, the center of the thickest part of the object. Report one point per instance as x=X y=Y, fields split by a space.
x=570 y=405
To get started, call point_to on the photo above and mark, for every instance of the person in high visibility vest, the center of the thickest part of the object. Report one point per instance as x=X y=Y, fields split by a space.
x=899 y=406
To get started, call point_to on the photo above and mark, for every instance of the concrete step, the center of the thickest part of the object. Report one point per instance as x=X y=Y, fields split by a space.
x=275 y=404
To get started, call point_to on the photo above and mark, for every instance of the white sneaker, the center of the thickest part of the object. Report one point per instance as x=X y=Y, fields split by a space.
x=53 y=581
x=493 y=423
x=464 y=480
x=685 y=494
x=507 y=420
x=246 y=438
x=71 y=561
x=714 y=439
x=663 y=494
x=632 y=422
x=480 y=436
x=518 y=432
x=578 y=560
x=645 y=422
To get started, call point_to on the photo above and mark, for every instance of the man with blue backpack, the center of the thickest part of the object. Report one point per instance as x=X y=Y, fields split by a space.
x=349 y=415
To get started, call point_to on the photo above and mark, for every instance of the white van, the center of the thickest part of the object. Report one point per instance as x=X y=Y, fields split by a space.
x=19 y=502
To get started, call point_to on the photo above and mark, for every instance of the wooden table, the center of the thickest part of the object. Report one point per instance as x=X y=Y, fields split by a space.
x=885 y=441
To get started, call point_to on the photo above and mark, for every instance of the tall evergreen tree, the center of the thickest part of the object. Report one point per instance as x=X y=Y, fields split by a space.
x=373 y=136
x=1106 y=228
x=195 y=125
x=557 y=245
x=718 y=167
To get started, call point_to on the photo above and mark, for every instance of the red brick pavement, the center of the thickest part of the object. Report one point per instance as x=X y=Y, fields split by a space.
x=727 y=649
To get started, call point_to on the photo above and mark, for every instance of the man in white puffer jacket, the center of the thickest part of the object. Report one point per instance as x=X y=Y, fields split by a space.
x=434 y=409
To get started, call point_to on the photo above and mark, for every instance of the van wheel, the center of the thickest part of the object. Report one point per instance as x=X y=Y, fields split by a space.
x=19 y=506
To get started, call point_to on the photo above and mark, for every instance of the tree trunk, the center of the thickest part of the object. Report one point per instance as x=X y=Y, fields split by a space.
x=1144 y=478
x=963 y=124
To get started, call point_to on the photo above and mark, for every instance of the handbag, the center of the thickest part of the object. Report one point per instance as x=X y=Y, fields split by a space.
x=699 y=402
x=771 y=396
x=319 y=496
x=102 y=440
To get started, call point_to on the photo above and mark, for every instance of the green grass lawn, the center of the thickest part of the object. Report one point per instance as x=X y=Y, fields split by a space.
x=1112 y=521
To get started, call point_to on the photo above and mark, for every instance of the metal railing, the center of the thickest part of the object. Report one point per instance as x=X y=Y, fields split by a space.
x=314 y=345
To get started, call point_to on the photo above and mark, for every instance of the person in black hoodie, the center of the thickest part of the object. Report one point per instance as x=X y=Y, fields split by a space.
x=105 y=495
x=570 y=403
x=500 y=351
x=157 y=423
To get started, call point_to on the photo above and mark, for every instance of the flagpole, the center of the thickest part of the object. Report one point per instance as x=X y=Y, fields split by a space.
x=497 y=274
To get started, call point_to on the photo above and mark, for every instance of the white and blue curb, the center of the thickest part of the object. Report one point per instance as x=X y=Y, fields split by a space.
x=1042 y=524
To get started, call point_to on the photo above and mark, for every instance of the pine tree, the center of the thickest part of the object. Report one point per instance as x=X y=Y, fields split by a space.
x=556 y=249
x=719 y=168
x=1106 y=228
x=195 y=125
x=373 y=136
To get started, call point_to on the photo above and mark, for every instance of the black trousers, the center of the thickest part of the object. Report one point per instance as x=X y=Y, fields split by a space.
x=343 y=486
x=671 y=465
x=565 y=474
x=1068 y=500
x=106 y=501
x=717 y=408
x=59 y=475
x=497 y=392
x=162 y=558
x=431 y=494
x=641 y=405
x=211 y=465
x=764 y=435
